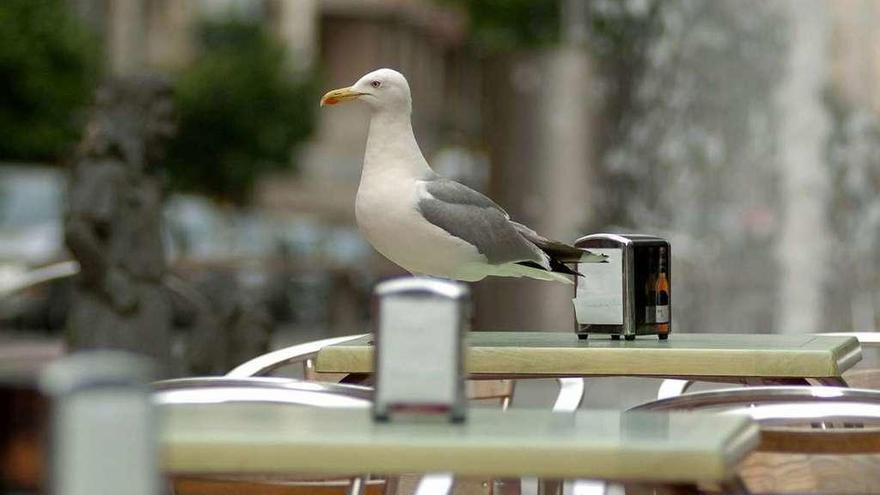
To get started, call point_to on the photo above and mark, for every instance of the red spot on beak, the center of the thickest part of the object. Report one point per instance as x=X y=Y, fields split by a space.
x=331 y=101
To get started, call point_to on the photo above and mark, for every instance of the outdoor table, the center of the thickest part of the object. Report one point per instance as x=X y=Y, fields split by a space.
x=271 y=439
x=866 y=339
x=737 y=358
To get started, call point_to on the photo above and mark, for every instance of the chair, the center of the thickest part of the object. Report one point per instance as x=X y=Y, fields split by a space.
x=304 y=354
x=272 y=390
x=672 y=387
x=824 y=439
x=278 y=391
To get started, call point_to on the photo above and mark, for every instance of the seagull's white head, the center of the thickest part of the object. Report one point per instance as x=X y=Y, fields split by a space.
x=383 y=90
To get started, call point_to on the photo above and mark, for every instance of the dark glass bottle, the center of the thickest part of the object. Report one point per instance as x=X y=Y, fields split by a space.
x=661 y=289
x=650 y=289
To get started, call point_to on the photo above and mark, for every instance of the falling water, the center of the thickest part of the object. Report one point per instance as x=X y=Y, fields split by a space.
x=691 y=151
x=802 y=249
x=739 y=130
x=716 y=132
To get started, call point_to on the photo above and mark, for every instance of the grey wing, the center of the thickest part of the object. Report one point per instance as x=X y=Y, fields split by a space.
x=476 y=219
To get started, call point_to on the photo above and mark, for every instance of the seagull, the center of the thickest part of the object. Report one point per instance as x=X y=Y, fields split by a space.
x=430 y=225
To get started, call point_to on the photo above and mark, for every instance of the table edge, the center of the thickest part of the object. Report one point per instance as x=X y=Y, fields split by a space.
x=835 y=362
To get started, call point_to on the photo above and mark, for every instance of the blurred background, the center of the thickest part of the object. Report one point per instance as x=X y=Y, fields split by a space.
x=744 y=131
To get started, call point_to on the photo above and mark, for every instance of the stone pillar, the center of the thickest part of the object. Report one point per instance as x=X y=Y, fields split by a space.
x=539 y=134
x=170 y=34
x=296 y=25
x=126 y=36
x=564 y=182
x=802 y=246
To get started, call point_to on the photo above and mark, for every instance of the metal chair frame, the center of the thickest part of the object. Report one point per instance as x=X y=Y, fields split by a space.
x=793 y=419
x=265 y=390
x=569 y=398
x=431 y=484
x=673 y=387
x=301 y=353
x=260 y=389
x=799 y=419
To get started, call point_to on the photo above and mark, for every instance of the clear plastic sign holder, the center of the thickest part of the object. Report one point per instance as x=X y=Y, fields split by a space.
x=419 y=329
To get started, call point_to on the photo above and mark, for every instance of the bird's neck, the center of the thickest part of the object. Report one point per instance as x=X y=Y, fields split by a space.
x=392 y=148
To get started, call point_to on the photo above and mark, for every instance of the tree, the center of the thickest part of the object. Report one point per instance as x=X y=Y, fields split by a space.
x=504 y=25
x=240 y=112
x=48 y=70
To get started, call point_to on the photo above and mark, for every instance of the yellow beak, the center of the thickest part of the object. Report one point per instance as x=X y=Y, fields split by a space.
x=338 y=95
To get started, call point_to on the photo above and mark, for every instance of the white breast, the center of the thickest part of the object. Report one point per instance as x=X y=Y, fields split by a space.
x=387 y=215
x=387 y=205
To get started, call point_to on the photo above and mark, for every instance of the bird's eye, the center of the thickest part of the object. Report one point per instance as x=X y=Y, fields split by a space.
x=376 y=84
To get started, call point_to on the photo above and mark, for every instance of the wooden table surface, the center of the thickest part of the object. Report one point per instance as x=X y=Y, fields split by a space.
x=683 y=355
x=278 y=439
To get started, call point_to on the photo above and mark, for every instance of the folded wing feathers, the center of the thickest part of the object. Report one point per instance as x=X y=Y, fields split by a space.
x=456 y=208
x=559 y=251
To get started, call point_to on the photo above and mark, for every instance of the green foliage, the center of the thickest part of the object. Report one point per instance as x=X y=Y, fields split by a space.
x=48 y=70
x=506 y=25
x=620 y=31
x=240 y=112
x=502 y=25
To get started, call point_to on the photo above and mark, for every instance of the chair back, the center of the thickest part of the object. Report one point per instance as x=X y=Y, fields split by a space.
x=302 y=354
x=283 y=392
x=813 y=439
x=288 y=486
x=262 y=390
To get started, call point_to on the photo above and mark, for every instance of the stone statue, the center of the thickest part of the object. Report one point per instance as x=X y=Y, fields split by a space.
x=113 y=222
x=232 y=325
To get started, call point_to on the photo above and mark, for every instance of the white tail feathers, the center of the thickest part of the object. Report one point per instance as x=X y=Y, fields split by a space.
x=590 y=257
x=517 y=270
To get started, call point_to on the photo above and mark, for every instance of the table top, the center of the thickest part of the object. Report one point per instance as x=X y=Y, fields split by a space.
x=866 y=339
x=277 y=439
x=682 y=355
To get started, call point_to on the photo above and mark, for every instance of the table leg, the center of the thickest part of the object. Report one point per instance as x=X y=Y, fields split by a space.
x=391 y=485
x=435 y=484
x=549 y=487
x=589 y=487
x=507 y=486
x=673 y=387
x=736 y=486
x=357 y=486
x=571 y=394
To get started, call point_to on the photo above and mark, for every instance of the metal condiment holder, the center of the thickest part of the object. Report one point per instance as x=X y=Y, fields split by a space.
x=628 y=295
x=104 y=437
x=420 y=324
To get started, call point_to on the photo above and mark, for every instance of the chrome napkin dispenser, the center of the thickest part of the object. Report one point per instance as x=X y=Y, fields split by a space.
x=630 y=294
x=420 y=327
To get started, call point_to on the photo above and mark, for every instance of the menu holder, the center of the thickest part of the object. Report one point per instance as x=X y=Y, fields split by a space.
x=420 y=324
x=629 y=294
